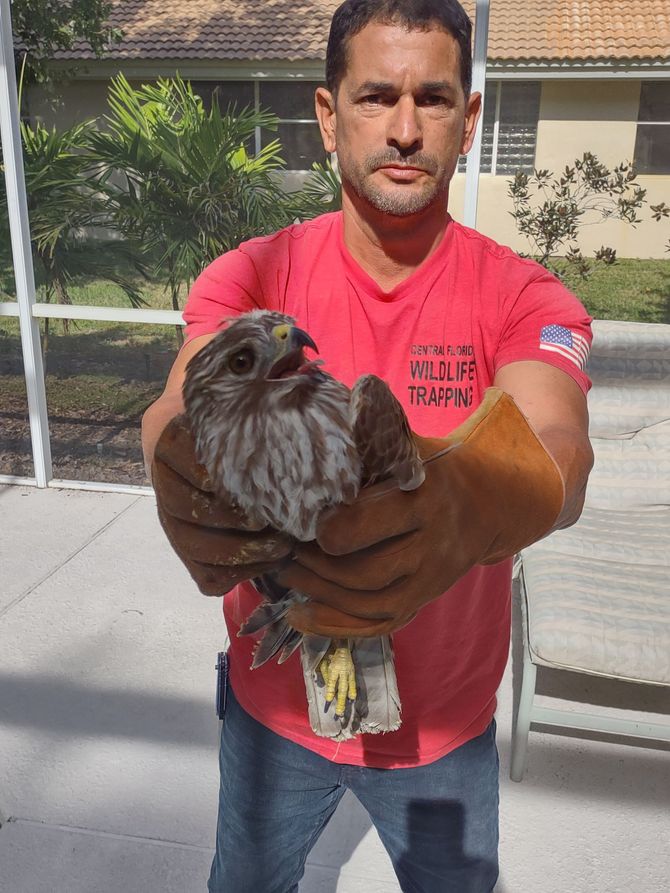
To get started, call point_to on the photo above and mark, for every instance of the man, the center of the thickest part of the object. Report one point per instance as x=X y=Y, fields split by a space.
x=393 y=286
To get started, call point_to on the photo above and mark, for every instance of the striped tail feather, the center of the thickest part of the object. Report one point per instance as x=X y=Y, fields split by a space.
x=377 y=706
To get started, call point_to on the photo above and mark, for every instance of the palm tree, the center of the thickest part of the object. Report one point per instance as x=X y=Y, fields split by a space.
x=321 y=192
x=64 y=202
x=188 y=188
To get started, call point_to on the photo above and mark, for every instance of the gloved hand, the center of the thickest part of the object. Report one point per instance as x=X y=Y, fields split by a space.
x=491 y=489
x=215 y=541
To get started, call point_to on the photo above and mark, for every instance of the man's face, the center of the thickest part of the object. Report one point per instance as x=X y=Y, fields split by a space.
x=400 y=117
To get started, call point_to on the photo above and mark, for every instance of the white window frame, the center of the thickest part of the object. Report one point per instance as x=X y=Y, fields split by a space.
x=647 y=124
x=256 y=85
x=496 y=129
x=497 y=86
x=257 y=93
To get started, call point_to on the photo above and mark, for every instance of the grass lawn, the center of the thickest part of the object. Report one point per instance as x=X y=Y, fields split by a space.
x=631 y=289
x=101 y=376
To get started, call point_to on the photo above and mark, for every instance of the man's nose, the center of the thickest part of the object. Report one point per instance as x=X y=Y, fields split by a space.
x=404 y=129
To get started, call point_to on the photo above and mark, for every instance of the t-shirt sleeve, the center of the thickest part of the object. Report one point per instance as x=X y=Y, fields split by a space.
x=226 y=287
x=546 y=322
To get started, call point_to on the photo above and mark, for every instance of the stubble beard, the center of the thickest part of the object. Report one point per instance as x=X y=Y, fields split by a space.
x=398 y=200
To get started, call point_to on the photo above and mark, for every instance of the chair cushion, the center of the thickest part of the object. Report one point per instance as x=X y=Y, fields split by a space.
x=630 y=433
x=631 y=473
x=597 y=595
x=629 y=351
x=619 y=409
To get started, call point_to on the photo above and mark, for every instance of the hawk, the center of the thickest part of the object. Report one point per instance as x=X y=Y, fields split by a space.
x=283 y=440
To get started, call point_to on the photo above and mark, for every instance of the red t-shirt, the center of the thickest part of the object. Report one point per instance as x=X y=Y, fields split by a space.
x=438 y=339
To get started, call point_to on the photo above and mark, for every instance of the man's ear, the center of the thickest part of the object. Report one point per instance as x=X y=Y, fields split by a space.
x=324 y=103
x=473 y=109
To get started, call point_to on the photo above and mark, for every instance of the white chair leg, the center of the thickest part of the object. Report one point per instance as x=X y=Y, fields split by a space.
x=523 y=717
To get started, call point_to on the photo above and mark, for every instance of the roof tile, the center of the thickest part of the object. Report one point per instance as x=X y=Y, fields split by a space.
x=294 y=30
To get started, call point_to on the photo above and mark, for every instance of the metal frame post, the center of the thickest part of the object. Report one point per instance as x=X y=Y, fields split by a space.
x=478 y=86
x=17 y=206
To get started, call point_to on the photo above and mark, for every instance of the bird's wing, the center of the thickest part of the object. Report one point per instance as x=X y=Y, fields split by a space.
x=383 y=436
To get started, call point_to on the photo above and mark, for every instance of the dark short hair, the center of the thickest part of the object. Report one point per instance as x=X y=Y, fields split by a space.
x=353 y=15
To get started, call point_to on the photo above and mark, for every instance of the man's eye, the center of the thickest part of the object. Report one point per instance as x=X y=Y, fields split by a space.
x=434 y=100
x=242 y=361
x=373 y=99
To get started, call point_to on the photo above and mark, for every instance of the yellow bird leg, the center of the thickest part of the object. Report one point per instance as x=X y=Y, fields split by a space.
x=339 y=674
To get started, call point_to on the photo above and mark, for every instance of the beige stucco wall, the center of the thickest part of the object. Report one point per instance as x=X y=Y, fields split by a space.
x=594 y=116
x=577 y=117
x=648 y=239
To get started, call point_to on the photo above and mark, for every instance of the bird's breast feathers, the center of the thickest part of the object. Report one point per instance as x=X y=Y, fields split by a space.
x=283 y=464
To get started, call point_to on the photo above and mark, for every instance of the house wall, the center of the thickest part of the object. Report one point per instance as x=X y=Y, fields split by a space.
x=79 y=100
x=576 y=116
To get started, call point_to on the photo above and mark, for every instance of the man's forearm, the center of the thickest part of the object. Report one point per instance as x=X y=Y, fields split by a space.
x=573 y=454
x=171 y=402
x=154 y=422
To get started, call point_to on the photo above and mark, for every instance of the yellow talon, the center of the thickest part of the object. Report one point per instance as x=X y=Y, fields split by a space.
x=339 y=674
x=323 y=668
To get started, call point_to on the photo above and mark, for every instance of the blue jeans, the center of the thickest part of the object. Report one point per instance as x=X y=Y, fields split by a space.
x=438 y=823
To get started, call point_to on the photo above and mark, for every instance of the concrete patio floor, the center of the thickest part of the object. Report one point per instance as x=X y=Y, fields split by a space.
x=108 y=737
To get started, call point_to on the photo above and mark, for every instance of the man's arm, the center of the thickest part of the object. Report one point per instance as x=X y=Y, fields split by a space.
x=170 y=403
x=556 y=408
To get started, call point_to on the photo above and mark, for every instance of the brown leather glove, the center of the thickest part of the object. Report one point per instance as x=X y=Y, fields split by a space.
x=491 y=488
x=214 y=540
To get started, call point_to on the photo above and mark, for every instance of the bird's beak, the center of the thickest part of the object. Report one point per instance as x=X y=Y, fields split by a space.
x=292 y=338
x=290 y=341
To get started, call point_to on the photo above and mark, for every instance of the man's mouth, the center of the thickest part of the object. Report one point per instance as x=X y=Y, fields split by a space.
x=402 y=171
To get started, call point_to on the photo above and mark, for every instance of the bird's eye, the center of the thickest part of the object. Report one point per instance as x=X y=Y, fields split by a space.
x=242 y=361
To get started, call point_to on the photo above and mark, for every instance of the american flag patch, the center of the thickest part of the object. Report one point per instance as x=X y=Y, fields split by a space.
x=568 y=344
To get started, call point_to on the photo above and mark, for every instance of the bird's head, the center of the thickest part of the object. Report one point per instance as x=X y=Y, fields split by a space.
x=258 y=347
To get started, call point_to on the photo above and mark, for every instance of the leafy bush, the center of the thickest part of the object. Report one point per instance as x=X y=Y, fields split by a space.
x=42 y=27
x=550 y=209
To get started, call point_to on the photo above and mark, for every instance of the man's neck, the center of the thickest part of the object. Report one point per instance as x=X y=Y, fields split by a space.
x=389 y=248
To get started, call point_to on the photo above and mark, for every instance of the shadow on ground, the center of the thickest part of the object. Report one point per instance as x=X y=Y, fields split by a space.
x=68 y=708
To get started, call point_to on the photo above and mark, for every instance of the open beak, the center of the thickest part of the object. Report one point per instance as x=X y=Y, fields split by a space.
x=290 y=343
x=299 y=338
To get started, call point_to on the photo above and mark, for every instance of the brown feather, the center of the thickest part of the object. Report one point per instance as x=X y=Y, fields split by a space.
x=382 y=435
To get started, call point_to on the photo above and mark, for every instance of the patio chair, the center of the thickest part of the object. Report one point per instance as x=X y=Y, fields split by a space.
x=595 y=598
